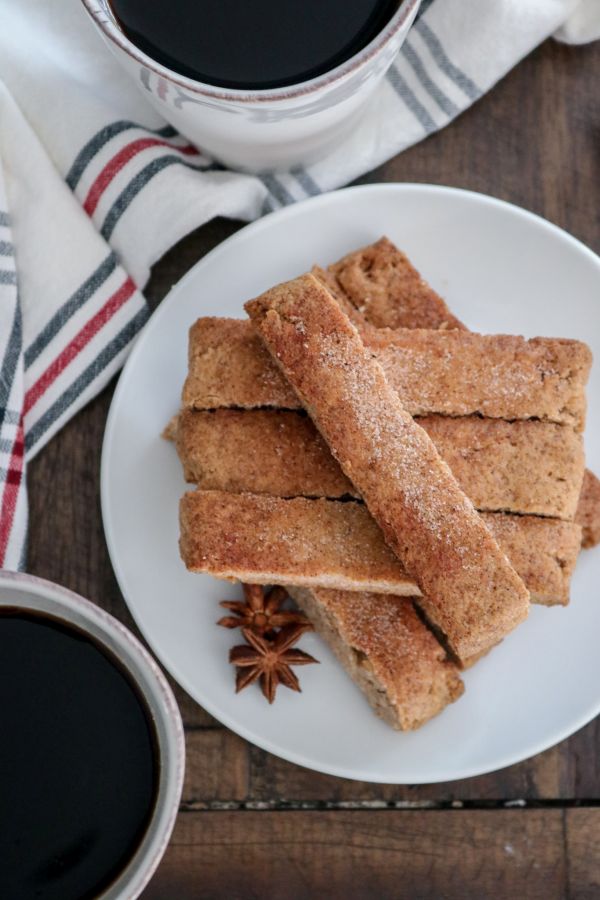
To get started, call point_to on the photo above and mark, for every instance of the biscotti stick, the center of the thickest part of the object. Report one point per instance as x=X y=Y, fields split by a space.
x=228 y=365
x=588 y=510
x=280 y=452
x=262 y=451
x=457 y=373
x=471 y=592
x=388 y=652
x=334 y=544
x=387 y=291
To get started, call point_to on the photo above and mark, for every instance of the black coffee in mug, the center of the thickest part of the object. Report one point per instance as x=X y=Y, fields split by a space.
x=78 y=762
x=252 y=44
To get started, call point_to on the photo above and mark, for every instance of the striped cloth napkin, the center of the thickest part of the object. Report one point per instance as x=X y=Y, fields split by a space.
x=94 y=188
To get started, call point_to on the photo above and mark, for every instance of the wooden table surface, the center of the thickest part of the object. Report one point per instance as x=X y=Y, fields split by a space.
x=252 y=825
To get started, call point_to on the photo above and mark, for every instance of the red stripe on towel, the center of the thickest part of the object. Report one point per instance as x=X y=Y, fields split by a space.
x=76 y=345
x=10 y=494
x=114 y=166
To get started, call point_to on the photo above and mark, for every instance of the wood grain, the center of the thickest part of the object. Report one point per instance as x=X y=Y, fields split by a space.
x=534 y=140
x=582 y=834
x=375 y=854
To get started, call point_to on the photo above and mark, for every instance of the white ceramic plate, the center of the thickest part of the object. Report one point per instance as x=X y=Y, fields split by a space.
x=501 y=270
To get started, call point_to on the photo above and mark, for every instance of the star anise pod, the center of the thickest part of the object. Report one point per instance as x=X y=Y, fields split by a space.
x=261 y=612
x=269 y=660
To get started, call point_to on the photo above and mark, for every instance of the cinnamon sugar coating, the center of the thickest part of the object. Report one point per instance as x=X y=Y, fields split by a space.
x=412 y=303
x=263 y=451
x=387 y=650
x=471 y=592
x=388 y=292
x=267 y=540
x=229 y=366
x=588 y=510
x=333 y=544
x=280 y=452
x=456 y=373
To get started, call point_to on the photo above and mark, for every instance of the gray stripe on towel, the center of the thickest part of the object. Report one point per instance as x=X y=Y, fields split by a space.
x=408 y=97
x=466 y=84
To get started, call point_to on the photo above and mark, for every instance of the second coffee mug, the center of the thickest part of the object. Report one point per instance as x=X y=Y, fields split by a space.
x=260 y=128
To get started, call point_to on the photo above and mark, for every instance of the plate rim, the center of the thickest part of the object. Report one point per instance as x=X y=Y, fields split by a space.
x=288 y=212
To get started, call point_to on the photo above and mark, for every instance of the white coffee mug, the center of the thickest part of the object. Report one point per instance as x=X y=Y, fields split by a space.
x=35 y=595
x=262 y=130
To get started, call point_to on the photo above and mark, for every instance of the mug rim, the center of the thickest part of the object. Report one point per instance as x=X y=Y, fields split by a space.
x=48 y=598
x=109 y=28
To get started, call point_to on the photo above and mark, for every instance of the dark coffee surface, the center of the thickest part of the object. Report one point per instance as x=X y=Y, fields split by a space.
x=77 y=763
x=252 y=45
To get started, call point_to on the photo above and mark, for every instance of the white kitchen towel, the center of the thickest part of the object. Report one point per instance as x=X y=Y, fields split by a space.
x=95 y=187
